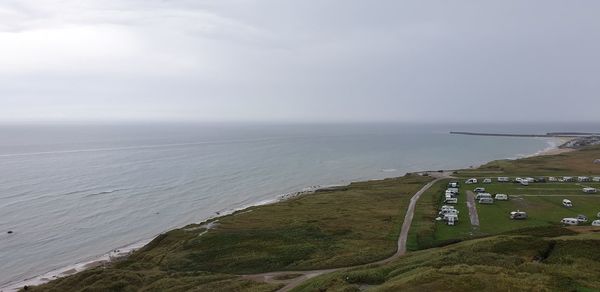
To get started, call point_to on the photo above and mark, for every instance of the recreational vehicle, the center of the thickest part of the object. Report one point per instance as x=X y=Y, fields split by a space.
x=596 y=179
x=479 y=190
x=503 y=179
x=487 y=180
x=518 y=215
x=471 y=181
x=596 y=223
x=501 y=197
x=453 y=184
x=524 y=182
x=483 y=195
x=583 y=179
x=582 y=218
x=567 y=203
x=552 y=179
x=590 y=190
x=569 y=221
x=451 y=200
x=486 y=201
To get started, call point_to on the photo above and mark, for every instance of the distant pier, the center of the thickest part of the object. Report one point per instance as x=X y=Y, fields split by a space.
x=547 y=135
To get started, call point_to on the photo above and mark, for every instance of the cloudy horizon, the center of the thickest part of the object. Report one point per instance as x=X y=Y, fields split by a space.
x=299 y=61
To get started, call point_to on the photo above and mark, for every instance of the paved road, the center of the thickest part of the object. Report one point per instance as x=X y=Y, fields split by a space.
x=305 y=275
x=472 y=209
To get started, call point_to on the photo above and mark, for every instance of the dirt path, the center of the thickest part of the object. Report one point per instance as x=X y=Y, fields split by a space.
x=271 y=277
x=472 y=209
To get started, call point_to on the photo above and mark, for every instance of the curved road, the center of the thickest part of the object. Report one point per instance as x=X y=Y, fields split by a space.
x=271 y=277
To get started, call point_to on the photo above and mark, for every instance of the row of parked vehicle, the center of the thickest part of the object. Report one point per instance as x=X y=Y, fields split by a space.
x=527 y=180
x=579 y=219
x=448 y=213
x=486 y=198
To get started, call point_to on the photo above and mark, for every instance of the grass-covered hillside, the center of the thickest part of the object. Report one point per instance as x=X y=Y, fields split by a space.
x=580 y=162
x=339 y=227
x=500 y=263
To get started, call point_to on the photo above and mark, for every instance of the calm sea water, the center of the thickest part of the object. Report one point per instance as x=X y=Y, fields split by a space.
x=73 y=192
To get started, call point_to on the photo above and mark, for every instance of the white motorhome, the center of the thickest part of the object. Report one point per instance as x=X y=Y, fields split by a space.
x=596 y=223
x=529 y=179
x=501 y=197
x=583 y=179
x=453 y=184
x=582 y=218
x=568 y=179
x=569 y=221
x=487 y=180
x=552 y=179
x=451 y=219
x=452 y=190
x=524 y=182
x=451 y=201
x=596 y=179
x=590 y=190
x=503 y=179
x=486 y=201
x=479 y=190
x=483 y=195
x=471 y=181
x=449 y=211
x=567 y=203
x=518 y=215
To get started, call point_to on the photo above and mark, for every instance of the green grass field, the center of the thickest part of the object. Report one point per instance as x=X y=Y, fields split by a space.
x=500 y=263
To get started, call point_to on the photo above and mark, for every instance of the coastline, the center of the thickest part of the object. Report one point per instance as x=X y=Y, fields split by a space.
x=126 y=250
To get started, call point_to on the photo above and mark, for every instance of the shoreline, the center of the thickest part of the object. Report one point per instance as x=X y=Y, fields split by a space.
x=126 y=250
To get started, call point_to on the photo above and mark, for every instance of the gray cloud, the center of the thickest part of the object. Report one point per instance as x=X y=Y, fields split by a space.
x=299 y=60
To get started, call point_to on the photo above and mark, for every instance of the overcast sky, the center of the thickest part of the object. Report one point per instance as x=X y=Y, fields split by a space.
x=107 y=60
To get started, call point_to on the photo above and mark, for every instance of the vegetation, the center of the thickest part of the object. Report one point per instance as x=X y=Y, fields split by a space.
x=500 y=263
x=337 y=227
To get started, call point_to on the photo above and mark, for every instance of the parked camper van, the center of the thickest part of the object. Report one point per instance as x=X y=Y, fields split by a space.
x=471 y=181
x=596 y=223
x=451 y=219
x=590 y=190
x=451 y=201
x=453 y=184
x=582 y=218
x=524 y=182
x=567 y=203
x=569 y=221
x=583 y=179
x=596 y=179
x=568 y=179
x=503 y=179
x=479 y=190
x=452 y=190
x=552 y=179
x=483 y=195
x=501 y=197
x=486 y=201
x=449 y=211
x=487 y=180
x=518 y=215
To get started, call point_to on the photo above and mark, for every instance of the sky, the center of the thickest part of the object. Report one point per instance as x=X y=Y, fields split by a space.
x=299 y=61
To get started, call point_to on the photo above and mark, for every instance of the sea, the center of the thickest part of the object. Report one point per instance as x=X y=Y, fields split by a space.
x=71 y=193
